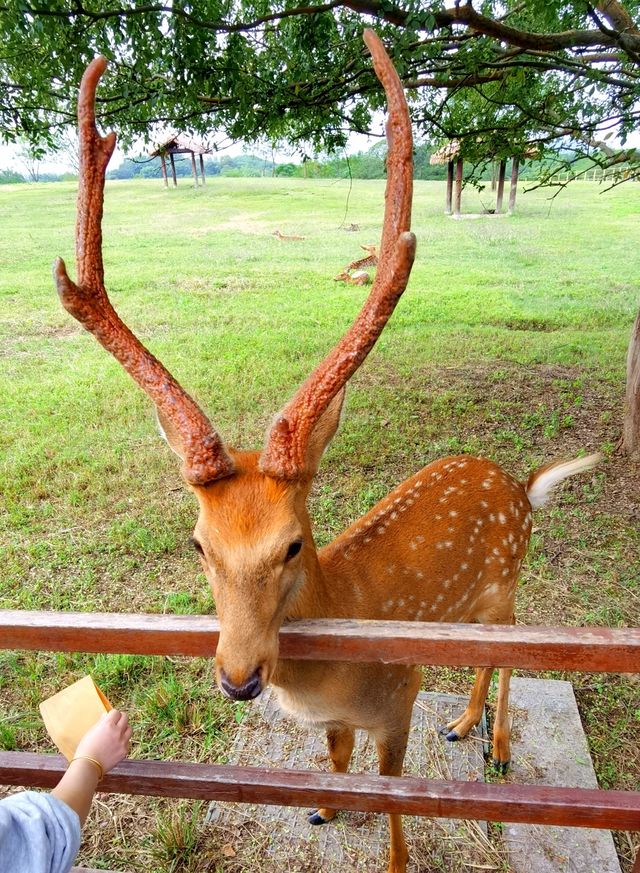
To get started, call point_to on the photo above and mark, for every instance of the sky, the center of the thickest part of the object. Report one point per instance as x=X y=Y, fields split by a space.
x=10 y=159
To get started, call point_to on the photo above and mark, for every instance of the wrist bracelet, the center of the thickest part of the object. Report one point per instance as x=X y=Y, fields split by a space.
x=98 y=765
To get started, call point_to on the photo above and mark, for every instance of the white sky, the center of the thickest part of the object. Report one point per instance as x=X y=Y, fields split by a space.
x=10 y=159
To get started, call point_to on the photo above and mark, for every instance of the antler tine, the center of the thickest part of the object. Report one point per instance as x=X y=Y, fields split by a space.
x=205 y=458
x=284 y=453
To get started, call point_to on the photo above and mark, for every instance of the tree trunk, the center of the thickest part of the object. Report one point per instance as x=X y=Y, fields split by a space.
x=631 y=427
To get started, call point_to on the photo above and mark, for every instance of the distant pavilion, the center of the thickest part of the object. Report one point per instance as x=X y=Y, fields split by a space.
x=450 y=155
x=179 y=144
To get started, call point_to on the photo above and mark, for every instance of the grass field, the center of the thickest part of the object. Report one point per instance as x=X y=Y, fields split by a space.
x=510 y=342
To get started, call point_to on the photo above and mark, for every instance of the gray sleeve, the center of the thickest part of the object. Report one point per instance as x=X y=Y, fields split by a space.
x=38 y=834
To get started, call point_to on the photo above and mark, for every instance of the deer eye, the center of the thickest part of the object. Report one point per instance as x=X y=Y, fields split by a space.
x=197 y=546
x=293 y=549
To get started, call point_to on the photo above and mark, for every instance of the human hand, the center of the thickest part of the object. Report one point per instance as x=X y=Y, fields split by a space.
x=107 y=741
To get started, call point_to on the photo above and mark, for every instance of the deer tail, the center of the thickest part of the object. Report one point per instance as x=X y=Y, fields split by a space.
x=542 y=481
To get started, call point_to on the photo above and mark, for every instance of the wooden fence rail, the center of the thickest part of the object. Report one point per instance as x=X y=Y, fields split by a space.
x=579 y=649
x=577 y=807
x=399 y=642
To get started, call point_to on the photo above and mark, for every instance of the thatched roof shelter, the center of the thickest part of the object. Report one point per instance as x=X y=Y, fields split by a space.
x=449 y=154
x=176 y=144
x=446 y=153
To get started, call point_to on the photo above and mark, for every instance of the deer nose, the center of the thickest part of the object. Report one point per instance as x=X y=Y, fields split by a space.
x=247 y=691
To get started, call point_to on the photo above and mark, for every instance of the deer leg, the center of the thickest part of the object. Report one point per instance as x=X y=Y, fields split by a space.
x=501 y=729
x=391 y=752
x=461 y=726
x=340 y=742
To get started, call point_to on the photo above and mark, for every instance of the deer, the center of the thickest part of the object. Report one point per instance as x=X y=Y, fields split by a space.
x=354 y=273
x=444 y=546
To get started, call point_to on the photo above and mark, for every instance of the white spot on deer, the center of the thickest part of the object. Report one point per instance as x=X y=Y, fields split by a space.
x=453 y=513
x=496 y=550
x=443 y=500
x=506 y=571
x=492 y=473
x=439 y=598
x=502 y=518
x=366 y=540
x=419 y=614
x=492 y=517
x=446 y=583
x=448 y=544
x=401 y=602
x=437 y=517
x=391 y=569
x=386 y=606
x=393 y=515
x=464 y=481
x=464 y=566
x=484 y=504
x=440 y=545
x=488 y=560
x=470 y=551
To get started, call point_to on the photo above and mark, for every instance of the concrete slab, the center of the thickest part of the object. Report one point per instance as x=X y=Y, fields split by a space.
x=279 y=838
x=549 y=748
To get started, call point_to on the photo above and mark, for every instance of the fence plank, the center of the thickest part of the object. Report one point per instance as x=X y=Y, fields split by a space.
x=533 y=648
x=576 y=807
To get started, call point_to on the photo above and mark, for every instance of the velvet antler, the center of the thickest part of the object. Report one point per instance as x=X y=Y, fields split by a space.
x=205 y=458
x=284 y=454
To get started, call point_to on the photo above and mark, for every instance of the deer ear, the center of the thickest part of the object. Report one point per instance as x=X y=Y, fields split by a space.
x=323 y=433
x=170 y=433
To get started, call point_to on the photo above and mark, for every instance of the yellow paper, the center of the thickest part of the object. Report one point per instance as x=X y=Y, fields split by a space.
x=70 y=713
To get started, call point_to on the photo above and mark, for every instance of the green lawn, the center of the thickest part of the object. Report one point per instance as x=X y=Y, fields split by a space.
x=510 y=342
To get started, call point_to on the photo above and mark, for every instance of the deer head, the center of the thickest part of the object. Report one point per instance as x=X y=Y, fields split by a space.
x=253 y=532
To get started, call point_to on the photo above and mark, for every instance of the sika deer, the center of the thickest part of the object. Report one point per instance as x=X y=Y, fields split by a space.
x=445 y=545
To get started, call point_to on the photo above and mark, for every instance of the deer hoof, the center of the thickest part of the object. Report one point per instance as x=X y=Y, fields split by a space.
x=501 y=767
x=451 y=736
x=316 y=819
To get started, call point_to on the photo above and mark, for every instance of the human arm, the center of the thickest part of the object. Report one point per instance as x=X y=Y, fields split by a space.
x=104 y=746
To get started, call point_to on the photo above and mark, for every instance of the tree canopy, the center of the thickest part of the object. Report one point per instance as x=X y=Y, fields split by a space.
x=498 y=78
